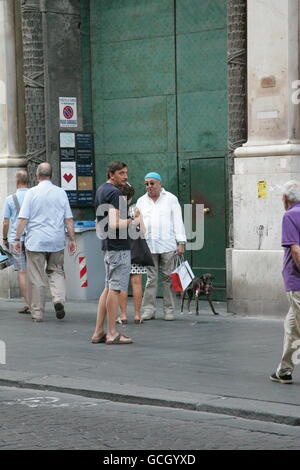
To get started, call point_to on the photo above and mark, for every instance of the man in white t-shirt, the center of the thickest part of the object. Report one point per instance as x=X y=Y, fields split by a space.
x=44 y=213
x=165 y=235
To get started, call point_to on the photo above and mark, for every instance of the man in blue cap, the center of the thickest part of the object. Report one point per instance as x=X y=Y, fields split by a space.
x=165 y=235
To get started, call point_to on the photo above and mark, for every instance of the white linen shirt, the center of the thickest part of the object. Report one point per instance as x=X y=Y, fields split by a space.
x=46 y=206
x=163 y=221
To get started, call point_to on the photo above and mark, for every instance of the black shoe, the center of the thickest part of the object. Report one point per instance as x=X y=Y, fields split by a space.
x=60 y=311
x=283 y=379
x=25 y=310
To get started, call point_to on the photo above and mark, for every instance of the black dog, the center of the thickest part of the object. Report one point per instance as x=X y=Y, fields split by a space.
x=199 y=286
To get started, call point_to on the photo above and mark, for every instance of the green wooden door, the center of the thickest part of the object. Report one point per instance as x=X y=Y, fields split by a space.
x=133 y=86
x=207 y=187
x=201 y=78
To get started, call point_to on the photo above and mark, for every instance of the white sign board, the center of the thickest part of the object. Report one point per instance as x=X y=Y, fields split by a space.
x=67 y=112
x=68 y=176
x=67 y=139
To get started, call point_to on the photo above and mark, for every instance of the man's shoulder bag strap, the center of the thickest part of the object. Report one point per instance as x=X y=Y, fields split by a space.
x=17 y=205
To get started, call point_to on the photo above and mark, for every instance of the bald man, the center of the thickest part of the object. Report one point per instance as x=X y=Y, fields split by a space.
x=165 y=235
x=45 y=212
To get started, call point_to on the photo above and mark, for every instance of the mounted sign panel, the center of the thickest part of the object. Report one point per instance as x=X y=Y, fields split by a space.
x=67 y=112
x=77 y=167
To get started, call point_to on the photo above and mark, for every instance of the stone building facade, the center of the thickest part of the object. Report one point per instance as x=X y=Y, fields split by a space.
x=40 y=60
x=49 y=51
x=268 y=159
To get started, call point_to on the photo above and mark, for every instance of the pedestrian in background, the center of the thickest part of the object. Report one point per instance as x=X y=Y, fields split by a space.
x=165 y=235
x=45 y=212
x=291 y=276
x=11 y=211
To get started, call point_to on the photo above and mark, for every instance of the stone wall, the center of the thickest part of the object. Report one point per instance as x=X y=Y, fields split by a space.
x=40 y=61
x=33 y=76
x=237 y=88
x=268 y=159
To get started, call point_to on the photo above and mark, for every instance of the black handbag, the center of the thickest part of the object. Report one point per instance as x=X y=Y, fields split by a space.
x=140 y=253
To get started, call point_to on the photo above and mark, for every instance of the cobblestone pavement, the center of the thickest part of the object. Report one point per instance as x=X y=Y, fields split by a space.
x=33 y=419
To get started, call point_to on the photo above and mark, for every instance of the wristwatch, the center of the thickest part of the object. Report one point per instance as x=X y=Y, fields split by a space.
x=181 y=243
x=17 y=239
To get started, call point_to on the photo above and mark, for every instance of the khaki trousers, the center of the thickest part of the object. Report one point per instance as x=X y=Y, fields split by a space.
x=164 y=262
x=40 y=266
x=291 y=334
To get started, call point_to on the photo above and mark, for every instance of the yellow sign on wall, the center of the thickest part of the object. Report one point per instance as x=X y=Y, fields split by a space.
x=262 y=189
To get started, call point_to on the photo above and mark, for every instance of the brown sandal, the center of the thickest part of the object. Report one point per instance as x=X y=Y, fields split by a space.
x=118 y=340
x=102 y=339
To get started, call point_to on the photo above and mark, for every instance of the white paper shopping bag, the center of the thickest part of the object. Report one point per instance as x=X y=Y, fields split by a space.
x=182 y=275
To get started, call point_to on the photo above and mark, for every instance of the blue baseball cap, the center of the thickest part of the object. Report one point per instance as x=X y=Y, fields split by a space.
x=153 y=174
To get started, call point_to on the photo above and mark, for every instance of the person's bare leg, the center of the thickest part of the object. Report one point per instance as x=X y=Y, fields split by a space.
x=22 y=277
x=123 y=304
x=137 y=291
x=101 y=314
x=112 y=305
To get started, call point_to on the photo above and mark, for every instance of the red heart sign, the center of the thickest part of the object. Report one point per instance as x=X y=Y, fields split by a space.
x=68 y=177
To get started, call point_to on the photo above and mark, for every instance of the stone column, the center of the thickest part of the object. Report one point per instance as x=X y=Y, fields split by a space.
x=269 y=158
x=12 y=132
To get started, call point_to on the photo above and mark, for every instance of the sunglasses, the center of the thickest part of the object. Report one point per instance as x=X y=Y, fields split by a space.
x=151 y=183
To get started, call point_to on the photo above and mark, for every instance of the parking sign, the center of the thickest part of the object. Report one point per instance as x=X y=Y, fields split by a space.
x=67 y=112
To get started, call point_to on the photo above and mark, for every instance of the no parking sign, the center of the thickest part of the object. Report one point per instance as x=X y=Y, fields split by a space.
x=67 y=112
